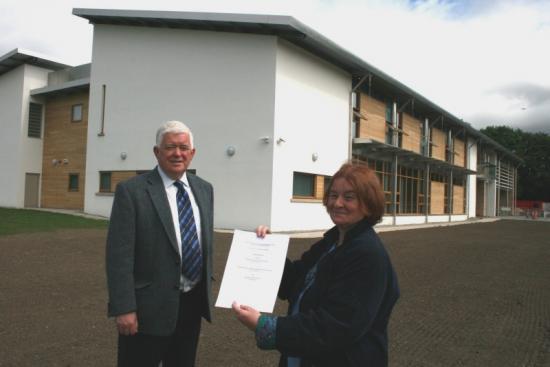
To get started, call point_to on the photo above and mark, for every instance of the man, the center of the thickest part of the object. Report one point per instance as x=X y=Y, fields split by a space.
x=159 y=257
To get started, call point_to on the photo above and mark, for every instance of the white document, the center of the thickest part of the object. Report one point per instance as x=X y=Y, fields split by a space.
x=253 y=270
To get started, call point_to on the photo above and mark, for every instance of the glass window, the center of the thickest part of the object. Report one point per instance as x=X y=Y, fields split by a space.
x=303 y=185
x=104 y=181
x=76 y=114
x=35 y=121
x=73 y=181
x=389 y=111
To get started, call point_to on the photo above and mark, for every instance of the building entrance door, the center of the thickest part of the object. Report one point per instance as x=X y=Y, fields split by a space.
x=480 y=199
x=32 y=183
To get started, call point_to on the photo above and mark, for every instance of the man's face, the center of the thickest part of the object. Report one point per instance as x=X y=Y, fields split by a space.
x=174 y=154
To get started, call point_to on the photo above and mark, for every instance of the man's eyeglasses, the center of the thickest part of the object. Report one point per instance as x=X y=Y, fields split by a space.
x=173 y=147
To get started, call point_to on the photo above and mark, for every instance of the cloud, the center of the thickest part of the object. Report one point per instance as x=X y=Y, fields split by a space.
x=532 y=94
x=481 y=60
x=520 y=105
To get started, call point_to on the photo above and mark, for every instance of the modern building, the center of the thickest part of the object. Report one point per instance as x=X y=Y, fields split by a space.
x=275 y=108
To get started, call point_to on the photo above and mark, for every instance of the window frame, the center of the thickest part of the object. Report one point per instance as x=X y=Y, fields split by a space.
x=319 y=185
x=41 y=106
x=102 y=189
x=73 y=119
x=70 y=186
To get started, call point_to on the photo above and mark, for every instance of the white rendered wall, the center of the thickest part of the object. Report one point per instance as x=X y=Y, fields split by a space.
x=11 y=110
x=220 y=84
x=410 y=219
x=20 y=154
x=312 y=116
x=387 y=220
x=471 y=181
x=438 y=218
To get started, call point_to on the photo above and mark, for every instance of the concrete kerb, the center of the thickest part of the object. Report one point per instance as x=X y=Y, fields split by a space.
x=70 y=212
x=319 y=233
x=385 y=228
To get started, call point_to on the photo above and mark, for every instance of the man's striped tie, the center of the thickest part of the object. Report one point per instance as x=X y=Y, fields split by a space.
x=191 y=254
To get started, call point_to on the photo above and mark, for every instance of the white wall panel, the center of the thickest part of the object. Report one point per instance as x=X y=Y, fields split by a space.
x=312 y=116
x=20 y=154
x=220 y=84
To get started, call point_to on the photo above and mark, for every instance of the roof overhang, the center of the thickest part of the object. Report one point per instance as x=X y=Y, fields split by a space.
x=285 y=27
x=64 y=88
x=289 y=29
x=18 y=57
x=381 y=151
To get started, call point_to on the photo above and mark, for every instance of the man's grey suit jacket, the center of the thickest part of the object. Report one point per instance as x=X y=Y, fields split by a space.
x=142 y=258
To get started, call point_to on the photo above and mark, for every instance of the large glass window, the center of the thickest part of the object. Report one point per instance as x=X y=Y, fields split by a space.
x=410 y=183
x=389 y=122
x=383 y=171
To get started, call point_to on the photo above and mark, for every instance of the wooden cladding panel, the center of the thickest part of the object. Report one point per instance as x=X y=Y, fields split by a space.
x=374 y=126
x=438 y=139
x=319 y=187
x=412 y=128
x=437 y=198
x=118 y=176
x=64 y=140
x=460 y=156
x=458 y=199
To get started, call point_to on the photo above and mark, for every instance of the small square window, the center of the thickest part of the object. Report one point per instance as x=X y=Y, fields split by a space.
x=104 y=181
x=303 y=185
x=73 y=181
x=76 y=114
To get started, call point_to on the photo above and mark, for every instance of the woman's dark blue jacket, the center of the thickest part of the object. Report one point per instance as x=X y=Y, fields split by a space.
x=343 y=318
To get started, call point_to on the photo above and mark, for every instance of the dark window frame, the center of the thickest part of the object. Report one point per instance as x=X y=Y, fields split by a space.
x=71 y=187
x=34 y=128
x=102 y=187
x=301 y=195
x=73 y=119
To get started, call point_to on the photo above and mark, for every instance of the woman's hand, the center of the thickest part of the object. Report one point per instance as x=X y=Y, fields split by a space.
x=247 y=315
x=262 y=230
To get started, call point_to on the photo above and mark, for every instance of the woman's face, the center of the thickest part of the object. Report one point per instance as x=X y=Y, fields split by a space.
x=343 y=205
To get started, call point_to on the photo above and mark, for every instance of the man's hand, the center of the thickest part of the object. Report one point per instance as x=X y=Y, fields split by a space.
x=127 y=324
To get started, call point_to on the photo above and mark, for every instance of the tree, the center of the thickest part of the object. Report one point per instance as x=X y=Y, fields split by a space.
x=534 y=149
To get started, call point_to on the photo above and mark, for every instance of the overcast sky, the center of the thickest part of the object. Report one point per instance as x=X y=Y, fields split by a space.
x=487 y=62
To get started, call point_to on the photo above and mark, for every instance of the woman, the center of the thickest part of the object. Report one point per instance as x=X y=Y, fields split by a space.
x=342 y=290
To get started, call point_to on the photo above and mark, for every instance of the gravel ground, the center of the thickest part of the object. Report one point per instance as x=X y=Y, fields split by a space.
x=471 y=295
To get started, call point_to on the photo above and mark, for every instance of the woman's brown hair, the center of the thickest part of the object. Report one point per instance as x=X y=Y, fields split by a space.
x=366 y=186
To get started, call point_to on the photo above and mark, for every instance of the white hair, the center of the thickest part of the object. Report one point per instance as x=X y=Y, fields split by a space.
x=177 y=127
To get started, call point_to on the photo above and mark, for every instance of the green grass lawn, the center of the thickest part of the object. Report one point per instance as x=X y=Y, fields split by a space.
x=25 y=221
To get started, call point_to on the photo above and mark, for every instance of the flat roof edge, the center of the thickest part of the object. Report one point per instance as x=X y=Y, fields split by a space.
x=59 y=87
x=90 y=14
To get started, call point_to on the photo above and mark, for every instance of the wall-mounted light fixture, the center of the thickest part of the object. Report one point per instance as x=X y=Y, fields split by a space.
x=314 y=157
x=280 y=141
x=55 y=162
x=65 y=161
x=230 y=151
x=265 y=139
x=123 y=155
